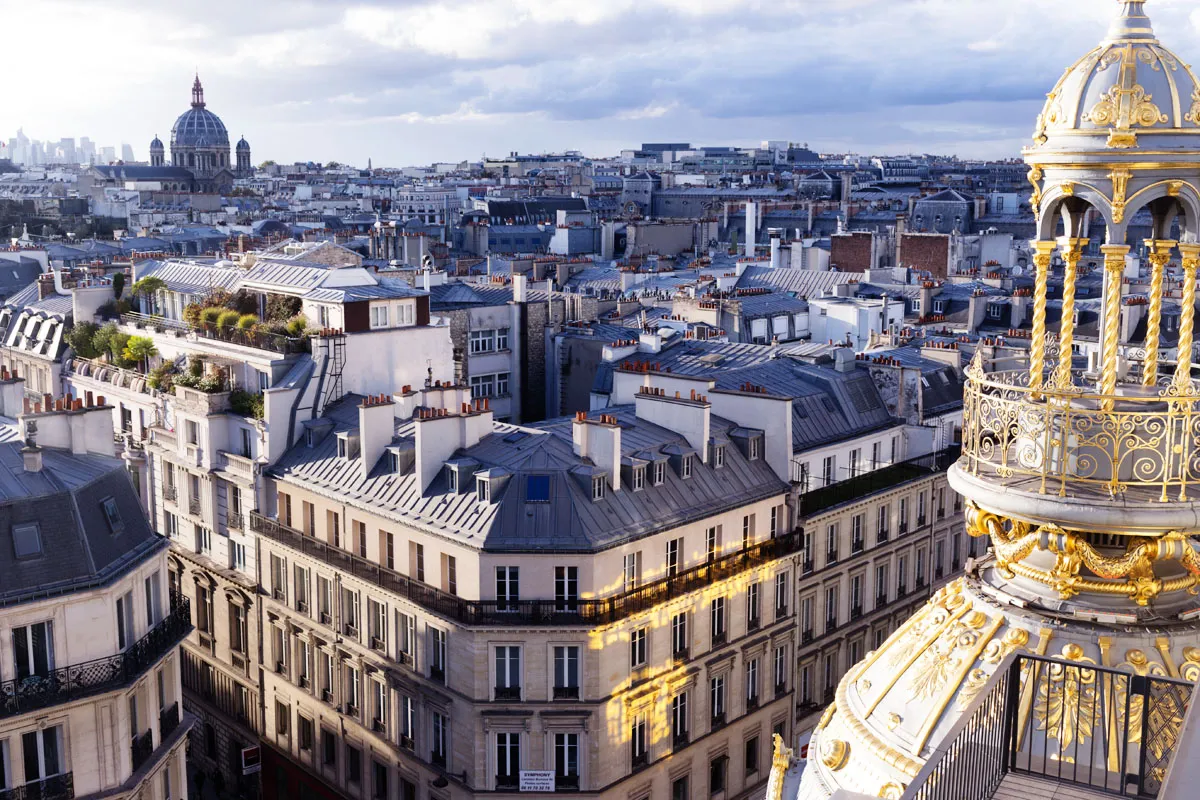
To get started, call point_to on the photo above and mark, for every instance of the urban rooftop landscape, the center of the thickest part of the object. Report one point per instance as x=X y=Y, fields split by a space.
x=512 y=418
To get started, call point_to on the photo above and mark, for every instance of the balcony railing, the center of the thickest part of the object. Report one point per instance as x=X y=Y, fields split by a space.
x=508 y=692
x=1138 y=444
x=1107 y=731
x=170 y=494
x=879 y=480
x=530 y=612
x=566 y=781
x=259 y=340
x=639 y=760
x=194 y=506
x=141 y=748
x=679 y=740
x=58 y=787
x=566 y=692
x=168 y=721
x=101 y=675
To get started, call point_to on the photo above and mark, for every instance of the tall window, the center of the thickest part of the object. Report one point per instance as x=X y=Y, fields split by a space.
x=633 y=570
x=204 y=609
x=41 y=752
x=747 y=530
x=780 y=670
x=781 y=595
x=674 y=547
x=680 y=643
x=753 y=617
x=508 y=759
x=440 y=729
x=566 y=588
x=508 y=588
x=125 y=620
x=712 y=541
x=638 y=648
x=377 y=624
x=717 y=620
x=419 y=562
x=351 y=622
x=437 y=654
x=637 y=739
x=566 y=672
x=33 y=650
x=508 y=672
x=716 y=689
x=238 y=630
x=300 y=588
x=566 y=760
x=752 y=683
x=679 y=718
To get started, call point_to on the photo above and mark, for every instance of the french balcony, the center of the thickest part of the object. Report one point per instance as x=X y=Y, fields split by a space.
x=545 y=612
x=508 y=693
x=566 y=692
x=57 y=787
x=194 y=506
x=856 y=546
x=170 y=494
x=67 y=684
x=679 y=740
x=168 y=721
x=753 y=623
x=881 y=537
x=566 y=782
x=141 y=748
x=437 y=673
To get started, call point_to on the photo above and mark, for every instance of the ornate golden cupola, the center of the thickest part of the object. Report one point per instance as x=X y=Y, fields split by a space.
x=1081 y=465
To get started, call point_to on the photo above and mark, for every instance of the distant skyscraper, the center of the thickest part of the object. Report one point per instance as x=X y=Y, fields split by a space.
x=127 y=153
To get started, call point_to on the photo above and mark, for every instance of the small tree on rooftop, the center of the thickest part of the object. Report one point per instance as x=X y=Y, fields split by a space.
x=102 y=340
x=82 y=337
x=118 y=283
x=140 y=349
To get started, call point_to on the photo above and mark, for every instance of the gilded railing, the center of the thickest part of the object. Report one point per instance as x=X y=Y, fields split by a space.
x=1058 y=439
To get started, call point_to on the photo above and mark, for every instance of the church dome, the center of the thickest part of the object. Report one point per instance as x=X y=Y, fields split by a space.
x=156 y=144
x=1127 y=86
x=243 y=146
x=199 y=127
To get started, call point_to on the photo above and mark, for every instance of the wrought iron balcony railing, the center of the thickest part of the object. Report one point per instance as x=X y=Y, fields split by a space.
x=141 y=748
x=530 y=612
x=67 y=684
x=56 y=787
x=1112 y=732
x=168 y=721
x=1143 y=443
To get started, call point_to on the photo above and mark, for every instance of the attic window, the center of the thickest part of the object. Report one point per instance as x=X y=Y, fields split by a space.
x=393 y=461
x=754 y=447
x=537 y=489
x=660 y=473
x=598 y=487
x=483 y=490
x=718 y=456
x=27 y=540
x=939 y=306
x=995 y=311
x=452 y=480
x=308 y=438
x=113 y=515
x=685 y=467
x=639 y=478
x=341 y=447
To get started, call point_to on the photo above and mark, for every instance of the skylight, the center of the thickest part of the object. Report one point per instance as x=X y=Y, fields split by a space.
x=537 y=489
x=112 y=514
x=27 y=540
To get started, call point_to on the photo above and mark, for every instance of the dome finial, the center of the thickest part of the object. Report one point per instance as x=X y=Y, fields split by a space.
x=1132 y=23
x=197 y=93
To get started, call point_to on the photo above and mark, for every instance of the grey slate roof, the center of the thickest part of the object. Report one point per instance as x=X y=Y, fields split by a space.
x=804 y=282
x=195 y=277
x=571 y=521
x=78 y=547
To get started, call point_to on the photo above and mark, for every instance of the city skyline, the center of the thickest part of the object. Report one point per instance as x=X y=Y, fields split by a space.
x=418 y=82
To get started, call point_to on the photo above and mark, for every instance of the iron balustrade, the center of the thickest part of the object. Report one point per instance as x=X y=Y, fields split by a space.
x=66 y=684
x=141 y=748
x=508 y=692
x=168 y=721
x=56 y=787
x=566 y=781
x=879 y=480
x=1070 y=722
x=566 y=692
x=529 y=612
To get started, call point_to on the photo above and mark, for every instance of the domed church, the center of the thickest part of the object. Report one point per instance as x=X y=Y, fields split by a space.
x=1071 y=648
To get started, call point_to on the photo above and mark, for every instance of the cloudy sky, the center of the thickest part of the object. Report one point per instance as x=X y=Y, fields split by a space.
x=414 y=81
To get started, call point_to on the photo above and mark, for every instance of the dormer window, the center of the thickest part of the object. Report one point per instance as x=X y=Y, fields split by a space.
x=995 y=311
x=718 y=456
x=27 y=540
x=483 y=490
x=754 y=448
x=660 y=473
x=452 y=480
x=939 y=306
x=341 y=447
x=685 y=467
x=393 y=461
x=639 y=478
x=112 y=515
x=598 y=487
x=309 y=439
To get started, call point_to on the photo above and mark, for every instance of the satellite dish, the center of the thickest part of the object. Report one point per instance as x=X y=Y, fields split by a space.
x=1018 y=271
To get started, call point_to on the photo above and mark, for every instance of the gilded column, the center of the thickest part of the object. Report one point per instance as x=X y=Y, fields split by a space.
x=1072 y=252
x=1037 y=350
x=1114 y=271
x=1160 y=254
x=1183 y=361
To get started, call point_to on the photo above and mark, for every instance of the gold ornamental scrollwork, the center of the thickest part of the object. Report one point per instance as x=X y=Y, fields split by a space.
x=834 y=753
x=1066 y=699
x=1120 y=182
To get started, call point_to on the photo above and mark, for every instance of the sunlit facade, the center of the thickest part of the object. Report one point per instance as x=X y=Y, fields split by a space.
x=455 y=605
